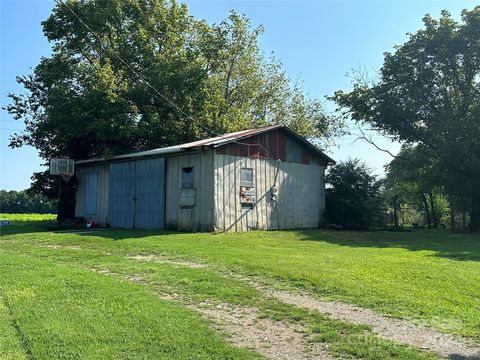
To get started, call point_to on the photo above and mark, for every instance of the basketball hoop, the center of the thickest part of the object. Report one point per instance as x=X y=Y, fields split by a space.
x=66 y=177
x=63 y=167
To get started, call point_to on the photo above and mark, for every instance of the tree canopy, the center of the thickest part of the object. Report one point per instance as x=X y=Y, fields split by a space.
x=428 y=94
x=135 y=74
x=416 y=179
x=353 y=196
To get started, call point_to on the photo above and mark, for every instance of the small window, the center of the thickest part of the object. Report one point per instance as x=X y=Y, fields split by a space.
x=187 y=178
x=246 y=206
x=246 y=177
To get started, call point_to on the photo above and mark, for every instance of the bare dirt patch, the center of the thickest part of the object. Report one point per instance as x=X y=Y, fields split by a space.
x=103 y=271
x=398 y=330
x=57 y=246
x=274 y=339
x=165 y=260
x=243 y=327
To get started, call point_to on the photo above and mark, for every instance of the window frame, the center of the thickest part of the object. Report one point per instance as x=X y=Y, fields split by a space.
x=190 y=183
x=250 y=182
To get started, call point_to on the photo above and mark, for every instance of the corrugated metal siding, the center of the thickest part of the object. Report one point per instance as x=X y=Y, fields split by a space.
x=91 y=193
x=150 y=194
x=137 y=194
x=300 y=194
x=200 y=217
x=122 y=191
x=101 y=200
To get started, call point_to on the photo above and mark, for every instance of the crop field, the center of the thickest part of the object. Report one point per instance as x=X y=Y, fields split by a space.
x=130 y=294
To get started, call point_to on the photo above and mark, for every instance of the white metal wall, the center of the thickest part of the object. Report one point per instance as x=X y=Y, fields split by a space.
x=300 y=200
x=101 y=212
x=199 y=217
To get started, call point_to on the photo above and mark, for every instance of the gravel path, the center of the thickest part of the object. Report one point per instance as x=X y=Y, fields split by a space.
x=273 y=339
x=398 y=330
x=246 y=329
x=161 y=259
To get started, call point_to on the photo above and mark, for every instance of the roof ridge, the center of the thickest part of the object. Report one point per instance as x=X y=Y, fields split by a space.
x=214 y=142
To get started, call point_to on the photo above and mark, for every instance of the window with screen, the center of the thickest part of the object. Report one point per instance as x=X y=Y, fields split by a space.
x=187 y=178
x=246 y=177
x=247 y=190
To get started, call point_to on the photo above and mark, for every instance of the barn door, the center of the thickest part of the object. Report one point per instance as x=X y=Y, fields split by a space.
x=150 y=194
x=137 y=194
x=121 y=211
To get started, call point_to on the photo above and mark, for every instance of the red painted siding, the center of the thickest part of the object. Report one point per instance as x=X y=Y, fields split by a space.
x=305 y=157
x=274 y=142
x=271 y=144
x=282 y=147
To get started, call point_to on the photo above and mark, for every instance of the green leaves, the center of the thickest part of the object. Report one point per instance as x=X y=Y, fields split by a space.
x=90 y=98
x=429 y=94
x=353 y=196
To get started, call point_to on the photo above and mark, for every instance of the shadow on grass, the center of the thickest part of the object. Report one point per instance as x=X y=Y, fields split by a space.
x=461 y=247
x=24 y=227
x=125 y=234
x=37 y=226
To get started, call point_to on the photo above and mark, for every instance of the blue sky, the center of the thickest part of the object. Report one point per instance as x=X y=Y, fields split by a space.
x=320 y=41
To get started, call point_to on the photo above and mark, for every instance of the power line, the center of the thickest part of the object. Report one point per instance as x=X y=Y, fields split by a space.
x=137 y=73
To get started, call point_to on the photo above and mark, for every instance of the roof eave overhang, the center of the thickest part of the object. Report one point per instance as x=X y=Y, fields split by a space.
x=143 y=154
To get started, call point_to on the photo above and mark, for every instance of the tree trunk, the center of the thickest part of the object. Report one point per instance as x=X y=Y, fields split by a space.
x=434 y=215
x=452 y=214
x=427 y=211
x=66 y=201
x=475 y=213
x=395 y=211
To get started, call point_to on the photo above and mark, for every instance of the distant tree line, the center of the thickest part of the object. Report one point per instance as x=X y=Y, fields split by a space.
x=411 y=195
x=421 y=193
x=22 y=202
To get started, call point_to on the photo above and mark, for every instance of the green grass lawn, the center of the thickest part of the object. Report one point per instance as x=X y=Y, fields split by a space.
x=52 y=303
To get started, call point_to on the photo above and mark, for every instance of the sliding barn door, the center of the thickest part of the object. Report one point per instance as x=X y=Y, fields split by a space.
x=150 y=194
x=121 y=211
x=137 y=194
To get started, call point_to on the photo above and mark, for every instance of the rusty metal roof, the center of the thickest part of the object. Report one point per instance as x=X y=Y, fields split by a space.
x=213 y=142
x=229 y=137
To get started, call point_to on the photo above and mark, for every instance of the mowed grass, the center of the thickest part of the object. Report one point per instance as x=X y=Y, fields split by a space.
x=28 y=217
x=429 y=277
x=52 y=311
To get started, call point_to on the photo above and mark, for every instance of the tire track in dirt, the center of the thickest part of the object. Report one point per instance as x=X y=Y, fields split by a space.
x=398 y=330
x=402 y=331
x=244 y=327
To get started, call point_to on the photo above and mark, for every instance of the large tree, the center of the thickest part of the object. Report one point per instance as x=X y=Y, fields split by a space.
x=138 y=74
x=428 y=93
x=353 y=196
x=417 y=179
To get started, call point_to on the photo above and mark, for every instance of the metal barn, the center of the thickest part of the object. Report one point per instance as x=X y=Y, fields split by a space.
x=266 y=178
